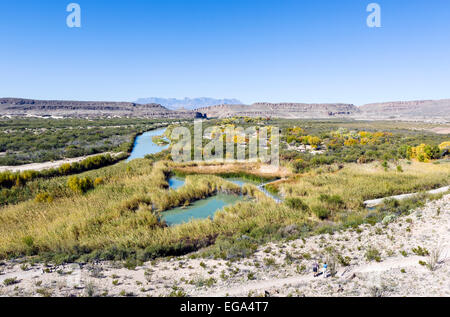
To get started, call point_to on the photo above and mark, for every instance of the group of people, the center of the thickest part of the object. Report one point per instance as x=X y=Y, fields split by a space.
x=324 y=271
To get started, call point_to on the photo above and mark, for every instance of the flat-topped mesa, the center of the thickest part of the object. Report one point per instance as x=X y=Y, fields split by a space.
x=282 y=110
x=416 y=109
x=63 y=108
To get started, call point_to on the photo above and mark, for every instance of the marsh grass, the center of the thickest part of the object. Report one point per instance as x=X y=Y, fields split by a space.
x=120 y=218
x=346 y=189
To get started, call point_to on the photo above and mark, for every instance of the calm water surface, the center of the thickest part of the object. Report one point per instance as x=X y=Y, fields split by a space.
x=200 y=209
x=144 y=145
x=176 y=182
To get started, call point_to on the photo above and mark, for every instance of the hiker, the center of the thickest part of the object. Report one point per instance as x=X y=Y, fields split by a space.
x=324 y=269
x=316 y=268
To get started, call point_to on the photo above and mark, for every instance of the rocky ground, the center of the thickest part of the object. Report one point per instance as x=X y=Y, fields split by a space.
x=406 y=257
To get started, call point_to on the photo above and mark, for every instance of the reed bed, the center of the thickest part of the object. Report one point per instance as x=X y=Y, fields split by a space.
x=121 y=218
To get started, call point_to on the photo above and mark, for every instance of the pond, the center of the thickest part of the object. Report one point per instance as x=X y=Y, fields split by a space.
x=176 y=182
x=143 y=144
x=200 y=209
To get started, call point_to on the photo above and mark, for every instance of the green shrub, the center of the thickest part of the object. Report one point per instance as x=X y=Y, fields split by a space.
x=28 y=241
x=373 y=254
x=43 y=198
x=80 y=185
x=296 y=203
x=420 y=251
x=99 y=181
x=232 y=248
x=344 y=261
x=321 y=212
x=388 y=219
x=334 y=200
x=10 y=281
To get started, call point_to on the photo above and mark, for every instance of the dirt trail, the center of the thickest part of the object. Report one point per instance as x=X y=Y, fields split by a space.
x=49 y=165
x=259 y=287
x=376 y=202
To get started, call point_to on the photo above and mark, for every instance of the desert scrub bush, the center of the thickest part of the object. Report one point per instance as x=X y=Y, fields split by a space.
x=388 y=219
x=373 y=254
x=44 y=198
x=334 y=202
x=10 y=281
x=232 y=248
x=80 y=185
x=177 y=292
x=321 y=212
x=296 y=203
x=269 y=262
x=98 y=181
x=44 y=292
x=90 y=290
x=306 y=256
x=420 y=251
x=344 y=261
x=378 y=291
x=200 y=282
x=395 y=207
x=434 y=258
x=24 y=267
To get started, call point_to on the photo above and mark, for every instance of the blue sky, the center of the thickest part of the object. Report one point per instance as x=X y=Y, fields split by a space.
x=253 y=50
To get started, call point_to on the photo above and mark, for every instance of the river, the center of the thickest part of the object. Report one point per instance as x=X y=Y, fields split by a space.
x=144 y=145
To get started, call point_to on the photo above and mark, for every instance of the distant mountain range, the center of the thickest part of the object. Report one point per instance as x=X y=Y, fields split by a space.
x=420 y=110
x=187 y=103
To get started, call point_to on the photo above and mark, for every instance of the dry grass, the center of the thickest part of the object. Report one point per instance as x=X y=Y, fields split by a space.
x=435 y=258
x=121 y=217
x=356 y=183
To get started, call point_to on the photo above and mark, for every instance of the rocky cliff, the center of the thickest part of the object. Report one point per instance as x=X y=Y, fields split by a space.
x=24 y=107
x=420 y=110
x=281 y=110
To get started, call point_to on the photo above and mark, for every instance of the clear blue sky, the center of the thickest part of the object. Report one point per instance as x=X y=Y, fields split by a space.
x=253 y=50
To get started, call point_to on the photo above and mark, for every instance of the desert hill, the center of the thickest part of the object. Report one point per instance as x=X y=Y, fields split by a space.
x=281 y=110
x=62 y=108
x=418 y=109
